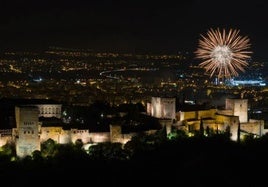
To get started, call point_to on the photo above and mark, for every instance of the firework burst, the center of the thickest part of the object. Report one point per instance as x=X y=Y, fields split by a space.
x=223 y=53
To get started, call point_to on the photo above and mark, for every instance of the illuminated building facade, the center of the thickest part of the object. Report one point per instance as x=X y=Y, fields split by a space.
x=234 y=115
x=30 y=132
x=238 y=107
x=162 y=107
x=27 y=134
x=49 y=110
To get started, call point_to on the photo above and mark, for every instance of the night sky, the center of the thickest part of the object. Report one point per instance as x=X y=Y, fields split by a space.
x=131 y=26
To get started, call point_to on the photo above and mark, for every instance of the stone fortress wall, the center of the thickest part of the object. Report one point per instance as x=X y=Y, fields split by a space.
x=29 y=132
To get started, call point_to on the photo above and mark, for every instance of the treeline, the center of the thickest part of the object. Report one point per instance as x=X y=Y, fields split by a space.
x=146 y=159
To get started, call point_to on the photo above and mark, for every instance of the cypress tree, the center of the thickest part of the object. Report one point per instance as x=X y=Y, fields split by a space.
x=238 y=133
x=201 y=129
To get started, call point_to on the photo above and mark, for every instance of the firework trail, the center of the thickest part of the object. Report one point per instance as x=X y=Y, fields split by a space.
x=223 y=53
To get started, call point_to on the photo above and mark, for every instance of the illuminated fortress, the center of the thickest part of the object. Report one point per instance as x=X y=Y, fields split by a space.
x=29 y=132
x=233 y=117
x=162 y=107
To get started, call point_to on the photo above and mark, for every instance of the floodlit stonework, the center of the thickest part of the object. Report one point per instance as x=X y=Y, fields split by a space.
x=27 y=137
x=239 y=107
x=235 y=114
x=29 y=132
x=49 y=110
x=162 y=107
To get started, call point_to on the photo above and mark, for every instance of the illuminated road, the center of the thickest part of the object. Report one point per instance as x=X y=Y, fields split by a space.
x=103 y=73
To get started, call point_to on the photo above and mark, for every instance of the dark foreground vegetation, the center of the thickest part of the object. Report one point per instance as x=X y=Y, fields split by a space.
x=146 y=160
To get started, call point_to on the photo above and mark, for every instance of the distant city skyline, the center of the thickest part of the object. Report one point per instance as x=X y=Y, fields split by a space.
x=131 y=26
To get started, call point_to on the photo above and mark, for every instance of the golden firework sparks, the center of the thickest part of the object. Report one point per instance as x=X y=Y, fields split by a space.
x=223 y=53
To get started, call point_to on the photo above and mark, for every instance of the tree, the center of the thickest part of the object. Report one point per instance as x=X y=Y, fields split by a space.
x=201 y=129
x=79 y=143
x=9 y=149
x=238 y=133
x=107 y=151
x=37 y=156
x=49 y=148
x=177 y=134
x=7 y=152
x=208 y=131
x=228 y=131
